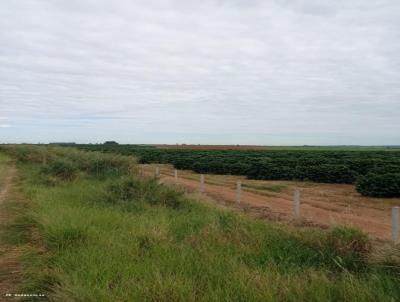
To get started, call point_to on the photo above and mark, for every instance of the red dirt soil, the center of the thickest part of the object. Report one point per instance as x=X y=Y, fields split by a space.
x=10 y=270
x=321 y=204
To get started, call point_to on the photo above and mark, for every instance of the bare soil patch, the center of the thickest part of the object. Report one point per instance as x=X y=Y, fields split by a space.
x=321 y=204
x=10 y=272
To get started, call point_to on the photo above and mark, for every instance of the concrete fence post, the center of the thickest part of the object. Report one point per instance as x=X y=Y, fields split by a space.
x=201 y=183
x=176 y=174
x=395 y=224
x=157 y=172
x=238 y=191
x=296 y=204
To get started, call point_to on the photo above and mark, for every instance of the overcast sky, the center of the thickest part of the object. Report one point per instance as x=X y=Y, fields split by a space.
x=271 y=72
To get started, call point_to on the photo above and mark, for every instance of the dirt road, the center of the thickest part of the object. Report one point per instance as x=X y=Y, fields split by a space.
x=5 y=184
x=10 y=273
x=321 y=204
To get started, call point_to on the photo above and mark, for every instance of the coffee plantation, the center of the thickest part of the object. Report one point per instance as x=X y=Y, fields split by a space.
x=375 y=173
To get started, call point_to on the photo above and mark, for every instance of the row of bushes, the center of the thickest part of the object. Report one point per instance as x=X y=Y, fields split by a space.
x=379 y=185
x=326 y=173
x=375 y=173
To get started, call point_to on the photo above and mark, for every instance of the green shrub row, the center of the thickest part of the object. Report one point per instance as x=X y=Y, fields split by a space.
x=372 y=171
x=379 y=185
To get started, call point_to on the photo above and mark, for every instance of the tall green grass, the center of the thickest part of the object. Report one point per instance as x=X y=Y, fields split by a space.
x=67 y=162
x=120 y=238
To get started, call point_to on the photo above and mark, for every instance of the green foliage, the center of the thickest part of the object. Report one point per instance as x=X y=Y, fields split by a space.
x=65 y=163
x=135 y=189
x=98 y=249
x=187 y=253
x=388 y=258
x=351 y=247
x=349 y=240
x=327 y=173
x=379 y=185
x=62 y=168
x=25 y=153
x=63 y=238
x=326 y=166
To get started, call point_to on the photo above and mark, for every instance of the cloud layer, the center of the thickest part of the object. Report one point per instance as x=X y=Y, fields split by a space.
x=213 y=71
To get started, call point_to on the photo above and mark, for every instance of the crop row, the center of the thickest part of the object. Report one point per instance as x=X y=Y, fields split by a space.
x=376 y=173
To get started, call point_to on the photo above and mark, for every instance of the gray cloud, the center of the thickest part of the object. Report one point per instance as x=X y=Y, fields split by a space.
x=262 y=72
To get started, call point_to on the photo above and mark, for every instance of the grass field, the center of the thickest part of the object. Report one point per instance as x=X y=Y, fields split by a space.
x=115 y=237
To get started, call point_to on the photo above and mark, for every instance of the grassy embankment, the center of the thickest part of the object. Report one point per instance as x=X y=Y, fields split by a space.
x=110 y=236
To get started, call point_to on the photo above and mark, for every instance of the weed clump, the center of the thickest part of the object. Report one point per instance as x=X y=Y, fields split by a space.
x=388 y=258
x=148 y=190
x=351 y=247
x=125 y=189
x=65 y=237
x=62 y=168
x=348 y=240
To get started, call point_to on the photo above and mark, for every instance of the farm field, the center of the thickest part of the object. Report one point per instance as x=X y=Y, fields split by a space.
x=286 y=148
x=321 y=204
x=376 y=173
x=93 y=228
x=199 y=151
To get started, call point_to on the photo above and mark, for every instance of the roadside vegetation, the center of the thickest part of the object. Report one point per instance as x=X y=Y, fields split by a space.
x=109 y=235
x=375 y=172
